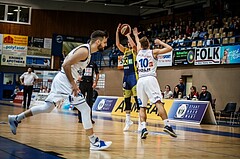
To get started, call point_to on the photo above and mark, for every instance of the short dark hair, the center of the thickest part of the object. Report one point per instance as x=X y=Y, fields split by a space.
x=98 y=34
x=204 y=86
x=144 y=42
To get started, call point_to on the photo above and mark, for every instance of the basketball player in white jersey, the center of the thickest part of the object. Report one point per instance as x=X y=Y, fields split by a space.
x=64 y=86
x=147 y=85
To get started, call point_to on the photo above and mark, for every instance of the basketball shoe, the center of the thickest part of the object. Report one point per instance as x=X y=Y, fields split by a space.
x=100 y=145
x=169 y=130
x=12 y=120
x=144 y=133
x=127 y=125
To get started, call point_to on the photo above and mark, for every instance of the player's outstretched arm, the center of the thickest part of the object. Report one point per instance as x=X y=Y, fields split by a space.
x=167 y=48
x=131 y=42
x=120 y=46
x=135 y=33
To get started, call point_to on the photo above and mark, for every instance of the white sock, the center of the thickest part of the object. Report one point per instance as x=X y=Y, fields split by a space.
x=143 y=125
x=92 y=138
x=127 y=117
x=20 y=116
x=166 y=122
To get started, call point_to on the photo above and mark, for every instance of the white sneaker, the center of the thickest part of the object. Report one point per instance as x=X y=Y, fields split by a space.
x=13 y=123
x=127 y=126
x=100 y=145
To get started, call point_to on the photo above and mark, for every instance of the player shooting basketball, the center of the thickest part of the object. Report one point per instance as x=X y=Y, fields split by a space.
x=130 y=71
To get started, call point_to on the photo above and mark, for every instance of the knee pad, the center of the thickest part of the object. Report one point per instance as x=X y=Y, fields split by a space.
x=80 y=103
x=46 y=108
x=127 y=103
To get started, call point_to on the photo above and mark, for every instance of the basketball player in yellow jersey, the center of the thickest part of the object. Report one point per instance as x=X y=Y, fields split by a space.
x=130 y=74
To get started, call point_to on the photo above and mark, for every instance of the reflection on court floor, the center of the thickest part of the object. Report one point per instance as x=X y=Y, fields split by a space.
x=59 y=135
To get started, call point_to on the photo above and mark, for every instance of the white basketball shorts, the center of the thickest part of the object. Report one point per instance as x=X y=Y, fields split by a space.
x=60 y=89
x=148 y=89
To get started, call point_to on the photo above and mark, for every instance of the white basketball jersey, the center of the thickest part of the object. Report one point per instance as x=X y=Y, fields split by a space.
x=146 y=63
x=81 y=65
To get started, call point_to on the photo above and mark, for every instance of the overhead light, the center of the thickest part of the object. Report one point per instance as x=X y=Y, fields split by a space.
x=134 y=3
x=114 y=5
x=88 y=1
x=16 y=10
x=10 y=13
x=24 y=7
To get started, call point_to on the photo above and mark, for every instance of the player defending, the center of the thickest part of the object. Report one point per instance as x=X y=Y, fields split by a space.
x=147 y=85
x=130 y=74
x=64 y=86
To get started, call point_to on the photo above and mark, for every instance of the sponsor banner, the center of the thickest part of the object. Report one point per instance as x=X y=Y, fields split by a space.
x=13 y=60
x=1 y=44
x=151 y=109
x=37 y=55
x=183 y=57
x=14 y=50
x=15 y=40
x=47 y=43
x=230 y=54
x=35 y=42
x=188 y=111
x=38 y=62
x=165 y=59
x=104 y=103
x=207 y=56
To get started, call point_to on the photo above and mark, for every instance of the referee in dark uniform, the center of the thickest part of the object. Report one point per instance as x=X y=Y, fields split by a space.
x=87 y=84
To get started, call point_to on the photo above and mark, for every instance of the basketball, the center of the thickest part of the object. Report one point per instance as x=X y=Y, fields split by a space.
x=125 y=29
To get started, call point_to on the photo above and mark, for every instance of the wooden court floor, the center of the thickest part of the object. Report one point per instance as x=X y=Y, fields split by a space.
x=58 y=135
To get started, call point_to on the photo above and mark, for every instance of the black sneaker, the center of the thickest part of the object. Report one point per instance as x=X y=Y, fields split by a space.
x=144 y=133
x=169 y=130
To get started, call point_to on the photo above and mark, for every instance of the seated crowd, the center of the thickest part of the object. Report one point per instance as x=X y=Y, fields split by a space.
x=205 y=33
x=179 y=92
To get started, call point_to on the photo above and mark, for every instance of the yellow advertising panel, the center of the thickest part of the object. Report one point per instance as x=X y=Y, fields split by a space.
x=151 y=109
x=15 y=39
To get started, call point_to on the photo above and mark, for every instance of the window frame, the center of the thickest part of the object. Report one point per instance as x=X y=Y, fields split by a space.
x=18 y=14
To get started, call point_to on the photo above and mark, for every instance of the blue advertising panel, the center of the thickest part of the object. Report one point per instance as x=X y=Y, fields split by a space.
x=105 y=104
x=188 y=111
x=230 y=54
